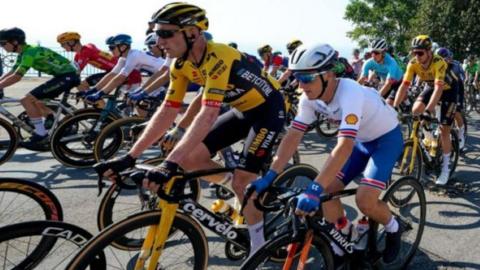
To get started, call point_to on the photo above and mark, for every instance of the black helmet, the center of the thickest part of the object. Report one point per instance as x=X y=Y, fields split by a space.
x=233 y=45
x=11 y=34
x=181 y=14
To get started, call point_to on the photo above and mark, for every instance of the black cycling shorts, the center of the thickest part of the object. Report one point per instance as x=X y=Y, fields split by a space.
x=448 y=103
x=460 y=97
x=93 y=79
x=393 y=91
x=259 y=127
x=56 y=86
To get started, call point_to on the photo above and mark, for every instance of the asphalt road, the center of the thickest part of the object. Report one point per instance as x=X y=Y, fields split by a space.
x=450 y=240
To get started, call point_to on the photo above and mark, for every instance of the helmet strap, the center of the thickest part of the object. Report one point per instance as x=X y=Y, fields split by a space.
x=324 y=86
x=124 y=50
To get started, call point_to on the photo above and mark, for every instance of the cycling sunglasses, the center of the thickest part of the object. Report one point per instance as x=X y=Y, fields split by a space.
x=306 y=77
x=165 y=34
x=112 y=47
x=418 y=53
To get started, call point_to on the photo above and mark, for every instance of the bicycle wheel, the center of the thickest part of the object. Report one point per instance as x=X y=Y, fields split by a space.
x=42 y=245
x=22 y=200
x=326 y=128
x=73 y=140
x=406 y=166
x=186 y=248
x=117 y=204
x=116 y=137
x=8 y=141
x=411 y=212
x=319 y=257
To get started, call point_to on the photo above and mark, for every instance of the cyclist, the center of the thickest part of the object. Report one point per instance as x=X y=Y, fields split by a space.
x=129 y=61
x=369 y=141
x=384 y=67
x=471 y=74
x=356 y=62
x=287 y=77
x=271 y=63
x=456 y=67
x=442 y=87
x=292 y=45
x=227 y=77
x=65 y=77
x=90 y=54
x=233 y=45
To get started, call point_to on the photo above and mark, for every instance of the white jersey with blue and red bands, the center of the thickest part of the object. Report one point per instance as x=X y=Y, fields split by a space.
x=138 y=60
x=363 y=114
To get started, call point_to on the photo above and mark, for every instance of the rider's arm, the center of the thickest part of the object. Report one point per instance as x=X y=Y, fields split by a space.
x=440 y=71
x=285 y=76
x=117 y=81
x=363 y=76
x=287 y=148
x=10 y=79
x=386 y=87
x=105 y=80
x=163 y=118
x=191 y=112
x=402 y=90
x=157 y=80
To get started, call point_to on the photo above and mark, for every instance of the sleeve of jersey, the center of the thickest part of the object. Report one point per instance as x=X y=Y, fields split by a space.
x=81 y=60
x=351 y=114
x=217 y=81
x=365 y=68
x=305 y=114
x=408 y=76
x=119 y=66
x=24 y=64
x=176 y=89
x=440 y=71
x=130 y=63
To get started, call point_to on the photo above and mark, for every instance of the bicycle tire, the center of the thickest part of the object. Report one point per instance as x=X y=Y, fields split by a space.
x=325 y=128
x=455 y=152
x=48 y=202
x=8 y=141
x=115 y=132
x=400 y=185
x=181 y=223
x=271 y=247
x=50 y=232
x=65 y=154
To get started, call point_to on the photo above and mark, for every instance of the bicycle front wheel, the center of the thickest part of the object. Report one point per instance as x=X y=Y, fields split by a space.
x=8 y=141
x=186 y=247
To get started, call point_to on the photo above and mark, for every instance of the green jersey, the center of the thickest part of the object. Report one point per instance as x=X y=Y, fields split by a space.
x=471 y=69
x=43 y=60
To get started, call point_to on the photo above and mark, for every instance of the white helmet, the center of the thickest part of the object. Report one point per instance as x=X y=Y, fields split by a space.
x=378 y=45
x=314 y=57
x=435 y=46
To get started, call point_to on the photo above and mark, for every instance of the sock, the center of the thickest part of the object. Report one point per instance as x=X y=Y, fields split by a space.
x=461 y=132
x=392 y=225
x=445 y=162
x=256 y=236
x=39 y=127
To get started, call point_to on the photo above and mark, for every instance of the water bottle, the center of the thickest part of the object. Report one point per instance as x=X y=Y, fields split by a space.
x=221 y=207
x=361 y=232
x=427 y=141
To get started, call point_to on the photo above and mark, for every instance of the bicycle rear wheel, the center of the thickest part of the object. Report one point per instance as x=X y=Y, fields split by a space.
x=22 y=200
x=411 y=211
x=186 y=248
x=319 y=257
x=42 y=245
x=8 y=141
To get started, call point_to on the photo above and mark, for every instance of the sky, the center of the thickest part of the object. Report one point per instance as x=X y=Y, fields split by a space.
x=249 y=23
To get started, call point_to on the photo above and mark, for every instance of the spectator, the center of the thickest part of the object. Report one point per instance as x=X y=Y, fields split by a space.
x=356 y=62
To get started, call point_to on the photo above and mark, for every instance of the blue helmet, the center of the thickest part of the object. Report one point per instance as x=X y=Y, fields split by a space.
x=444 y=52
x=119 y=39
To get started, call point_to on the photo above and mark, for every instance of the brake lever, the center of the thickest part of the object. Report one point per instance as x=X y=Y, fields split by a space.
x=246 y=196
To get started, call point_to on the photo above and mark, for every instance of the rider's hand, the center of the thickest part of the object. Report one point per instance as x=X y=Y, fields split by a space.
x=82 y=94
x=160 y=175
x=118 y=165
x=171 y=138
x=95 y=97
x=260 y=185
x=137 y=95
x=309 y=201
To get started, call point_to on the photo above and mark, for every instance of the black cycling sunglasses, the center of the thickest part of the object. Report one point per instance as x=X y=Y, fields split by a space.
x=418 y=53
x=112 y=47
x=165 y=34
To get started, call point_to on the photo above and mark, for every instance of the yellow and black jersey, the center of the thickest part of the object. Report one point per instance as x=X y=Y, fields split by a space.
x=436 y=73
x=226 y=75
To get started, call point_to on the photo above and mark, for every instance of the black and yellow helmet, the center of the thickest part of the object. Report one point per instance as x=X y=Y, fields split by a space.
x=181 y=14
x=292 y=45
x=421 y=42
x=264 y=49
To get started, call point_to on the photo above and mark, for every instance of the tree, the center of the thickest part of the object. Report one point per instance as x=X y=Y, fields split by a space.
x=388 y=19
x=452 y=24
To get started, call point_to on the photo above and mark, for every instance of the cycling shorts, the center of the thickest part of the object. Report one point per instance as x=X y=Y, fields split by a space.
x=448 y=102
x=93 y=79
x=56 y=86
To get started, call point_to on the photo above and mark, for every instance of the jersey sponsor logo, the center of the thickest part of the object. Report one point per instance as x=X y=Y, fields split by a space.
x=257 y=141
x=259 y=82
x=230 y=94
x=210 y=55
x=212 y=103
x=216 y=67
x=215 y=91
x=351 y=119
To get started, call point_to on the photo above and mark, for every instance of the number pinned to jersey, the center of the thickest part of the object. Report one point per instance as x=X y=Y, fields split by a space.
x=351 y=119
